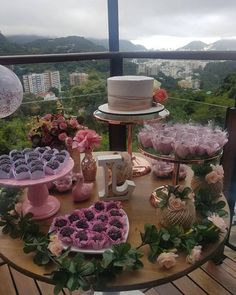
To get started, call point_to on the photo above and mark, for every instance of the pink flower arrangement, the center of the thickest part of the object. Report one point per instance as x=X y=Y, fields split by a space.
x=167 y=259
x=86 y=140
x=54 y=130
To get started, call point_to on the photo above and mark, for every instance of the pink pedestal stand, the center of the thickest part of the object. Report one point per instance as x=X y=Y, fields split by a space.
x=39 y=202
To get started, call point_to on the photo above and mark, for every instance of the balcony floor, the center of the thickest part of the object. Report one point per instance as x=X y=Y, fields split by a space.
x=208 y=279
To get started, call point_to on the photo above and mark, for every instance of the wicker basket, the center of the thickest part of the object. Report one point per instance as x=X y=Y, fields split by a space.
x=184 y=217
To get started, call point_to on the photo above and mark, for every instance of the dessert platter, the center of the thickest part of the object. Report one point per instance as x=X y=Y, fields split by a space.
x=92 y=230
x=182 y=144
x=34 y=168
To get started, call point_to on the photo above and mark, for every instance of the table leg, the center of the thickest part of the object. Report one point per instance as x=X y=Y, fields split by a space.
x=175 y=179
x=40 y=203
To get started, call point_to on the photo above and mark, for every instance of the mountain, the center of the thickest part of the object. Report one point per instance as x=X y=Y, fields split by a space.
x=8 y=48
x=194 y=45
x=124 y=45
x=224 y=45
x=64 y=45
x=23 y=39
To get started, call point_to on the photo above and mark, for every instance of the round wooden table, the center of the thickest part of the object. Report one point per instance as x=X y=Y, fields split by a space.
x=140 y=212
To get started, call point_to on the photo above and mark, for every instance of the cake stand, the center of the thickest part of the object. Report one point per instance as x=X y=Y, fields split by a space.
x=149 y=152
x=39 y=202
x=140 y=165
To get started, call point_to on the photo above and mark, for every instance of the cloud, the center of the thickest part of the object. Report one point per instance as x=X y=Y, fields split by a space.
x=139 y=19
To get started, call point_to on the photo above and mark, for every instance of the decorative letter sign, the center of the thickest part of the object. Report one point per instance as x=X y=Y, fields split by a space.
x=121 y=192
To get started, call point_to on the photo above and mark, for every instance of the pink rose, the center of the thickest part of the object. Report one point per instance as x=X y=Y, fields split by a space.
x=195 y=255
x=167 y=259
x=55 y=246
x=212 y=177
x=62 y=136
x=62 y=125
x=175 y=204
x=69 y=141
x=218 y=222
x=219 y=170
x=73 y=123
x=160 y=95
x=47 y=117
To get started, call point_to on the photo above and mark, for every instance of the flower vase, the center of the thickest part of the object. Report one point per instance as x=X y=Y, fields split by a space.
x=75 y=155
x=213 y=190
x=184 y=217
x=89 y=166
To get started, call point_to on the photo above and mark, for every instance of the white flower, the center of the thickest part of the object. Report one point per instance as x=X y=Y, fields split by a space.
x=55 y=246
x=195 y=254
x=218 y=222
x=167 y=259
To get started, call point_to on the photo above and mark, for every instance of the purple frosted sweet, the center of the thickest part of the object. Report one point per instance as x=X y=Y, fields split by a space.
x=63 y=153
x=118 y=222
x=82 y=224
x=32 y=154
x=98 y=240
x=162 y=169
x=17 y=157
x=58 y=223
x=60 y=158
x=52 y=167
x=99 y=226
x=145 y=138
x=36 y=163
x=21 y=172
x=2 y=157
x=5 y=171
x=26 y=151
x=4 y=161
x=99 y=206
x=37 y=172
x=19 y=162
x=14 y=153
x=41 y=150
x=74 y=216
x=89 y=214
x=116 y=212
x=66 y=234
x=102 y=217
x=115 y=234
x=113 y=205
x=47 y=157
x=80 y=239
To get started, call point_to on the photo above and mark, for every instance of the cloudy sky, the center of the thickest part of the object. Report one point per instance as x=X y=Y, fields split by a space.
x=156 y=24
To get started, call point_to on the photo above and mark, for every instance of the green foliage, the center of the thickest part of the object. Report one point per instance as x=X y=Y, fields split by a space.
x=204 y=204
x=8 y=198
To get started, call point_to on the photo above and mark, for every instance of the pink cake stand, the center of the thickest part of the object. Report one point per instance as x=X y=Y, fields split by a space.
x=39 y=202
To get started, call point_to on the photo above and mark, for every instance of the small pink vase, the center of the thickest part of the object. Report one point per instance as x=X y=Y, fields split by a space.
x=89 y=166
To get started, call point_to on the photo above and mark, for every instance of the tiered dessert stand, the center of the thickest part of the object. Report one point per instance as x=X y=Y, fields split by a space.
x=39 y=202
x=140 y=165
x=176 y=161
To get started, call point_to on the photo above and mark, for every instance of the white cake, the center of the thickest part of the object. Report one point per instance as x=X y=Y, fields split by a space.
x=130 y=93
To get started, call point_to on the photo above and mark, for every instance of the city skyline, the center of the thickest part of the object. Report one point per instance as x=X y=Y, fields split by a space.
x=154 y=24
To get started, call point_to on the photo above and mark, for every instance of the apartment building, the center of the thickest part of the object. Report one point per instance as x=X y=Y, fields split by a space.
x=37 y=83
x=78 y=78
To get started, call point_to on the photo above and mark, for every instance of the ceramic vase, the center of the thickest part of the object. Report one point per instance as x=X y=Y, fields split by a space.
x=89 y=166
x=75 y=155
